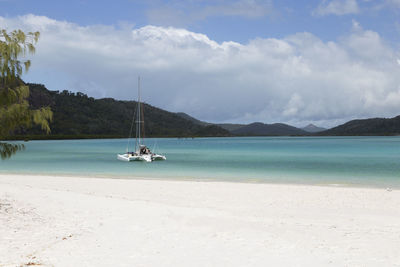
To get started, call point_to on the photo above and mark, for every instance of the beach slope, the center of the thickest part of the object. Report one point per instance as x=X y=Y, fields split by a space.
x=71 y=221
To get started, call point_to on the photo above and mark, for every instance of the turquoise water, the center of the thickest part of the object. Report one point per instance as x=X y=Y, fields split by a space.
x=365 y=161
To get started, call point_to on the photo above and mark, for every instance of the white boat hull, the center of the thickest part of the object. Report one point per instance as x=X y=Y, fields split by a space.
x=130 y=157
x=158 y=157
x=146 y=158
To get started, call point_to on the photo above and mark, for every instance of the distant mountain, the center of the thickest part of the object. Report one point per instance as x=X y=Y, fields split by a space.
x=261 y=129
x=227 y=126
x=376 y=126
x=230 y=126
x=253 y=129
x=311 y=128
x=78 y=116
x=194 y=120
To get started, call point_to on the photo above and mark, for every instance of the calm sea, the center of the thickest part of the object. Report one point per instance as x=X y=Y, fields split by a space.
x=348 y=161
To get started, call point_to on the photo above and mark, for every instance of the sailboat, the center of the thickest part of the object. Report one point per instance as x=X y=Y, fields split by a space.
x=141 y=152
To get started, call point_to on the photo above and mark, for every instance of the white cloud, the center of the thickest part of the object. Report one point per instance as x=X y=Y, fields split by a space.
x=337 y=7
x=356 y=25
x=180 y=13
x=295 y=104
x=297 y=79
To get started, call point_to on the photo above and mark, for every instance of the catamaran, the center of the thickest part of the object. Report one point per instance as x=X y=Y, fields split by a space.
x=141 y=152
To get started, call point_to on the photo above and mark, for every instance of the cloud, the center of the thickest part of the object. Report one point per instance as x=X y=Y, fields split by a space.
x=297 y=79
x=181 y=13
x=336 y=7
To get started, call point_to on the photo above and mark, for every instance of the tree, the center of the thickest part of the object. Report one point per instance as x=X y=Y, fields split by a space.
x=14 y=106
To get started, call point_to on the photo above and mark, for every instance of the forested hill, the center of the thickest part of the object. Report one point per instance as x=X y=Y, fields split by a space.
x=261 y=129
x=78 y=116
x=376 y=126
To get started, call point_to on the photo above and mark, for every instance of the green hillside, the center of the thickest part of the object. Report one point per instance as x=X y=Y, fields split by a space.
x=375 y=126
x=261 y=129
x=78 y=116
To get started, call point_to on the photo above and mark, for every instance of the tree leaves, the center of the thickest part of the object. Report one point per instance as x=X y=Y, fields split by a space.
x=7 y=150
x=14 y=107
x=12 y=46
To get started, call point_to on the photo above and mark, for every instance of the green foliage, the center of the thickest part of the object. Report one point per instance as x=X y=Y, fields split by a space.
x=78 y=116
x=12 y=46
x=275 y=129
x=372 y=127
x=15 y=112
x=7 y=150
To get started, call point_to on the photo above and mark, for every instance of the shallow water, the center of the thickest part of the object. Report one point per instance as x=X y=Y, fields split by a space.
x=365 y=161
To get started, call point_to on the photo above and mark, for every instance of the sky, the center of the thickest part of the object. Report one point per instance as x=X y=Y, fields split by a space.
x=298 y=62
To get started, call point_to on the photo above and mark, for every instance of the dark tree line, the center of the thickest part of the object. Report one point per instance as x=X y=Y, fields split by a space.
x=75 y=115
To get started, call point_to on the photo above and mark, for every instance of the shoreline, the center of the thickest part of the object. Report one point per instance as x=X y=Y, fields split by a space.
x=207 y=180
x=94 y=137
x=61 y=221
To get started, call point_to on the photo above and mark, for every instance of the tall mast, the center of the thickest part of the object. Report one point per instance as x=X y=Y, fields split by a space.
x=137 y=145
x=140 y=112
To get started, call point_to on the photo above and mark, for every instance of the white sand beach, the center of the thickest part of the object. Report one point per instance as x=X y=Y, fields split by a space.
x=71 y=221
